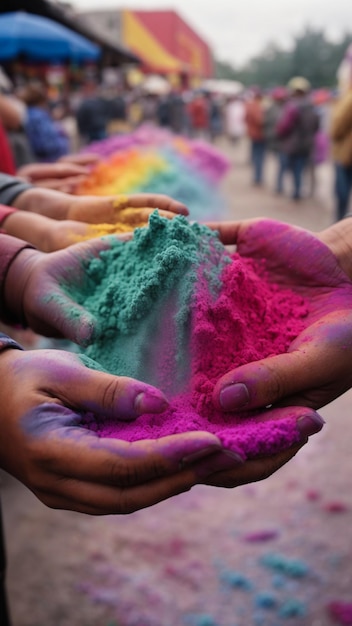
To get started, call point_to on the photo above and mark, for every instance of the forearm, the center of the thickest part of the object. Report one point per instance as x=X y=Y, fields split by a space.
x=10 y=248
x=30 y=227
x=46 y=202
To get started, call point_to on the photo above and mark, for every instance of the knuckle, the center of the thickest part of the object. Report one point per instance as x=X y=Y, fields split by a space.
x=126 y=503
x=274 y=383
x=111 y=394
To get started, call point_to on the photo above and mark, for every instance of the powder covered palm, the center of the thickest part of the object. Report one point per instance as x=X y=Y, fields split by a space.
x=316 y=369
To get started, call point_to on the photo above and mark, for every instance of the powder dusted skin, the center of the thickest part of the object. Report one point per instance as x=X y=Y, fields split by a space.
x=179 y=312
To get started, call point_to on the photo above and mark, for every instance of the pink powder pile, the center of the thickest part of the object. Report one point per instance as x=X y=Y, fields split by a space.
x=249 y=320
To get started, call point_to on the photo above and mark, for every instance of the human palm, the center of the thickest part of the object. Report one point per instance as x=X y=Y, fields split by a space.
x=317 y=367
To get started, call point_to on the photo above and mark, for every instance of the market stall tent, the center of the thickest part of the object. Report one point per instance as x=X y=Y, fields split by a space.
x=40 y=39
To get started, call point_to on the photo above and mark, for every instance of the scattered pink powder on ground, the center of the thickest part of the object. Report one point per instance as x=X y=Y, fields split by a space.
x=341 y=612
x=336 y=507
x=249 y=320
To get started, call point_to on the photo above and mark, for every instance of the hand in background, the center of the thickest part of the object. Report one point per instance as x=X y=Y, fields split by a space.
x=99 y=210
x=60 y=176
x=37 y=290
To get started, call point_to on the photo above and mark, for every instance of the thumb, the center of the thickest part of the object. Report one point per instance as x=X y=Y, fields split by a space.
x=265 y=382
x=114 y=396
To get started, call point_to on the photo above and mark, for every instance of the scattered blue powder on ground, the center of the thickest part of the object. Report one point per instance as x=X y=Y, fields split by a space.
x=236 y=580
x=292 y=608
x=289 y=567
x=201 y=620
x=265 y=600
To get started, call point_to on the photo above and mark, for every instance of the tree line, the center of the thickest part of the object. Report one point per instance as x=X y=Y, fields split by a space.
x=312 y=54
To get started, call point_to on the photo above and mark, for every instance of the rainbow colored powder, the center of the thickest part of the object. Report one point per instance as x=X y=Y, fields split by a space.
x=178 y=311
x=152 y=159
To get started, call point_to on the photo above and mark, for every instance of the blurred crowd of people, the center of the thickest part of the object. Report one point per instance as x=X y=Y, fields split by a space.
x=300 y=127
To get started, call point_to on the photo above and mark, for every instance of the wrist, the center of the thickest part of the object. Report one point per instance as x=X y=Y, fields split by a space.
x=16 y=280
x=48 y=202
x=339 y=239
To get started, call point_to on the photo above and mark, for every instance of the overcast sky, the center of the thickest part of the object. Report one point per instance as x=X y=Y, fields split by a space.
x=238 y=29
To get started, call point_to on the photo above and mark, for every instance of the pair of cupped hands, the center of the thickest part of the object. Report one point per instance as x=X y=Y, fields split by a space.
x=44 y=392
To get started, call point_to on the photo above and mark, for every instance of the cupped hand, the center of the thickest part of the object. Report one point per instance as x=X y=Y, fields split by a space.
x=317 y=367
x=98 y=210
x=43 y=395
x=43 y=283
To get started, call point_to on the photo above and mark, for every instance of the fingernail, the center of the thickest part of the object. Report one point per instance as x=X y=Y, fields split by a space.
x=196 y=456
x=224 y=460
x=150 y=402
x=234 y=396
x=310 y=424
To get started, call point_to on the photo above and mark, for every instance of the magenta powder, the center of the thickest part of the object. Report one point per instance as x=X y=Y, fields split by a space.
x=250 y=319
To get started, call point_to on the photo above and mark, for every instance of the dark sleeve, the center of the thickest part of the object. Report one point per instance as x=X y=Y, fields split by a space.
x=10 y=188
x=7 y=342
x=10 y=247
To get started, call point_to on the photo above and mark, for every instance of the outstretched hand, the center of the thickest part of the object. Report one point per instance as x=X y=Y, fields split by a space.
x=317 y=367
x=41 y=299
x=99 y=210
x=43 y=394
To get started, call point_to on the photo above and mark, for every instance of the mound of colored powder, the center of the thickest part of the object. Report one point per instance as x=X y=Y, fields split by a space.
x=162 y=169
x=178 y=311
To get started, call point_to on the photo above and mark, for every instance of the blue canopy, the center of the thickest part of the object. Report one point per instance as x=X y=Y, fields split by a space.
x=40 y=39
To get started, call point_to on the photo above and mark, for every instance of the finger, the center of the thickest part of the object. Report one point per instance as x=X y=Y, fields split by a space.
x=253 y=470
x=103 y=499
x=95 y=499
x=229 y=232
x=62 y=317
x=271 y=431
x=87 y=158
x=154 y=201
x=276 y=378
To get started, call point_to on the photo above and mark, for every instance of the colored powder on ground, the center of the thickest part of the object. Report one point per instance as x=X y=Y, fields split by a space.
x=235 y=580
x=341 y=612
x=261 y=536
x=265 y=600
x=292 y=608
x=336 y=507
x=178 y=311
x=293 y=568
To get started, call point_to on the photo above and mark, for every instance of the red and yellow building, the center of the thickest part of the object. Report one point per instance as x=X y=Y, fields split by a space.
x=162 y=40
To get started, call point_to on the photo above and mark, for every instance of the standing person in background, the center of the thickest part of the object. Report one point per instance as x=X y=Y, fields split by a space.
x=13 y=115
x=47 y=138
x=92 y=114
x=297 y=128
x=272 y=115
x=198 y=111
x=235 y=119
x=255 y=129
x=341 y=135
x=215 y=116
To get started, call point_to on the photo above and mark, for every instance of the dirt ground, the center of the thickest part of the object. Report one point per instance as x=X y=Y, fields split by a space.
x=193 y=560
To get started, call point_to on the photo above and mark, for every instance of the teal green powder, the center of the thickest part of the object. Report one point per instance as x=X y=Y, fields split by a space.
x=141 y=293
